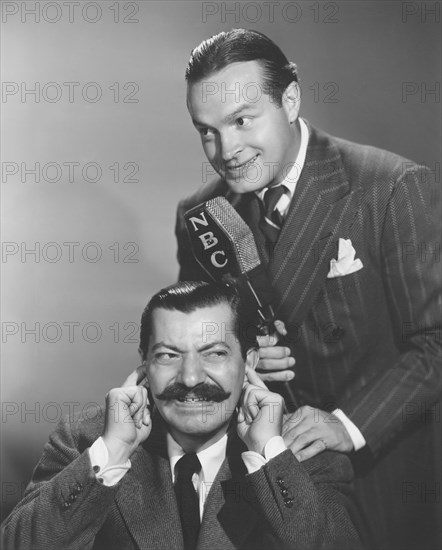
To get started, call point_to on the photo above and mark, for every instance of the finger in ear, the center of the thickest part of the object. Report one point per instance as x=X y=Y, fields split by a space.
x=252 y=358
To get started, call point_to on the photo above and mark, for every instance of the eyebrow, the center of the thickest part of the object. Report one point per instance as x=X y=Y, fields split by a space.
x=162 y=344
x=228 y=118
x=236 y=112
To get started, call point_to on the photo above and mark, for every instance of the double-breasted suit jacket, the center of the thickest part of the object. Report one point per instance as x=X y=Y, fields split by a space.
x=283 y=505
x=369 y=342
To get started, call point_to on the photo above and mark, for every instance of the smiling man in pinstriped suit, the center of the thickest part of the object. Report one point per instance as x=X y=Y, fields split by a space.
x=355 y=269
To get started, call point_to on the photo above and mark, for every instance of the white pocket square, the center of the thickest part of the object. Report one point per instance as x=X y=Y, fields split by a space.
x=346 y=263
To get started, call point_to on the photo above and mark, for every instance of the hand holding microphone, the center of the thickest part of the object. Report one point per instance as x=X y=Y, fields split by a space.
x=275 y=361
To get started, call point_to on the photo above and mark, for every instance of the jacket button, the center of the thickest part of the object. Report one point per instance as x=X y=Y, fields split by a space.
x=284 y=492
x=288 y=502
x=337 y=333
x=78 y=489
x=96 y=469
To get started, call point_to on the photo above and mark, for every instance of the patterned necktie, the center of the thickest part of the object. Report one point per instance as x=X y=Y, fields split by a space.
x=271 y=220
x=187 y=498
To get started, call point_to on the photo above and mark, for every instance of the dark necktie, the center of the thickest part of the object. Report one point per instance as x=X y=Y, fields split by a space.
x=187 y=498
x=271 y=220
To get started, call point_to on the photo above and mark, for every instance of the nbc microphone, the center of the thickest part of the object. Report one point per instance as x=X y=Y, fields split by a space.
x=224 y=246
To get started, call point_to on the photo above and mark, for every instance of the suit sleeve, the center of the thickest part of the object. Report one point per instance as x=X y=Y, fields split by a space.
x=411 y=269
x=64 y=505
x=309 y=505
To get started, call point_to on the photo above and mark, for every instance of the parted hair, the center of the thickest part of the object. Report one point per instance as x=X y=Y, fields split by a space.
x=239 y=45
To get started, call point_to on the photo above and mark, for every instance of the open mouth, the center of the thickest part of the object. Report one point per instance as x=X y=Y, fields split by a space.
x=241 y=167
x=200 y=394
x=192 y=399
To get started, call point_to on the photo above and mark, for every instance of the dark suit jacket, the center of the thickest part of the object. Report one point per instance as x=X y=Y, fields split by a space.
x=369 y=342
x=66 y=507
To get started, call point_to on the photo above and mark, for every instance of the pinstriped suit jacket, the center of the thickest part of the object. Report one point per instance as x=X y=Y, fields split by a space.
x=140 y=512
x=369 y=342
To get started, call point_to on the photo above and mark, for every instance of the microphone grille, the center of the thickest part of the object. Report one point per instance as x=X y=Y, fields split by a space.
x=238 y=230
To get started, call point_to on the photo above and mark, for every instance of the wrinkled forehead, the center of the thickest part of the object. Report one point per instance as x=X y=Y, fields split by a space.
x=201 y=326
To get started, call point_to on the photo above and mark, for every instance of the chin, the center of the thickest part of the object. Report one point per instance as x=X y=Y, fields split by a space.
x=199 y=428
x=242 y=186
x=203 y=420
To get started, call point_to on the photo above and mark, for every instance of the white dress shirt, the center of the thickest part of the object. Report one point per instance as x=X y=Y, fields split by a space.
x=357 y=438
x=212 y=458
x=293 y=175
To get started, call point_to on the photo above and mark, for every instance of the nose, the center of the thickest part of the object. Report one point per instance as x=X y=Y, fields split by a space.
x=191 y=371
x=230 y=145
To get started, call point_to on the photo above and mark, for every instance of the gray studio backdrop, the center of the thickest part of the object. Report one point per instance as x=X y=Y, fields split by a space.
x=97 y=147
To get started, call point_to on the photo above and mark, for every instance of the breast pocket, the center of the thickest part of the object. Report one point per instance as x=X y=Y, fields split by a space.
x=339 y=284
x=339 y=314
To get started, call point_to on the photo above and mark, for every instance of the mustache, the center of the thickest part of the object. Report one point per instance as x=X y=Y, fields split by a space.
x=208 y=392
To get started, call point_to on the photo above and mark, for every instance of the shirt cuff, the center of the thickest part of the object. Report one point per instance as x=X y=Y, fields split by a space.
x=99 y=456
x=354 y=433
x=254 y=461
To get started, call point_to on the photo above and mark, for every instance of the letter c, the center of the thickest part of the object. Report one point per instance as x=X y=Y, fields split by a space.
x=215 y=261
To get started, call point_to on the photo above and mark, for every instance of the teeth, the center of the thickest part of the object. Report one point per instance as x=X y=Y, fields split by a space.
x=249 y=163
x=192 y=399
x=245 y=165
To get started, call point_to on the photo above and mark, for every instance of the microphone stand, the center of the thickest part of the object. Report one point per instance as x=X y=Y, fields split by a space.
x=265 y=328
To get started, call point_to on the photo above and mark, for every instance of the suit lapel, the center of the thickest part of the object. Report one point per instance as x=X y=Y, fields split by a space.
x=146 y=499
x=322 y=210
x=147 y=503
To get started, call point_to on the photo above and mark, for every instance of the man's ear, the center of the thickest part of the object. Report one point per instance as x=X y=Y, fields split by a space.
x=143 y=360
x=291 y=101
x=252 y=358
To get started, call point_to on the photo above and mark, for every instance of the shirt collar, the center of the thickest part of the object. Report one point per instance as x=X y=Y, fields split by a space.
x=294 y=174
x=211 y=458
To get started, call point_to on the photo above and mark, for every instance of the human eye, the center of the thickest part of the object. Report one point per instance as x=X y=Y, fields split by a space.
x=216 y=355
x=243 y=121
x=166 y=357
x=206 y=133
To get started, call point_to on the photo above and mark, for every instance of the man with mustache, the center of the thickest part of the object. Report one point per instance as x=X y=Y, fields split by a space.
x=195 y=461
x=350 y=239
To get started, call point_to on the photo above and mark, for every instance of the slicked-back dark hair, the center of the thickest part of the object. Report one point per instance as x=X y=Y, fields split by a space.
x=188 y=296
x=239 y=45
